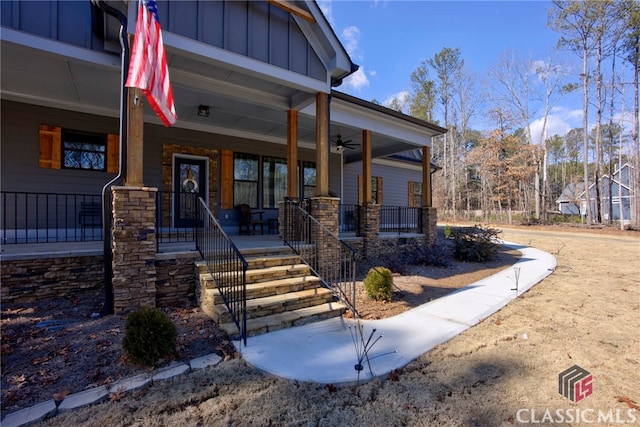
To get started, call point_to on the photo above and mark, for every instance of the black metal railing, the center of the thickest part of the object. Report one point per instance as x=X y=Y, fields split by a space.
x=48 y=217
x=330 y=258
x=176 y=216
x=225 y=263
x=348 y=218
x=400 y=219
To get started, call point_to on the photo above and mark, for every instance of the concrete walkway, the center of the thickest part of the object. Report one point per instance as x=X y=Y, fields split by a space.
x=324 y=352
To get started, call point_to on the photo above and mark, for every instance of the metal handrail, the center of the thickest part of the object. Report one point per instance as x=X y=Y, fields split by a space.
x=226 y=265
x=330 y=258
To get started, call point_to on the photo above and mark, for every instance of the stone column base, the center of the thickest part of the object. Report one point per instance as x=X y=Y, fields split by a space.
x=369 y=227
x=429 y=225
x=134 y=248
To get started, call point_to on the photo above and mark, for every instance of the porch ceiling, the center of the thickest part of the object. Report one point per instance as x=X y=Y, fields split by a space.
x=242 y=102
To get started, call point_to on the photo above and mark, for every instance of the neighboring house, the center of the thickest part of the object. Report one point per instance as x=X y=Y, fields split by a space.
x=258 y=115
x=572 y=201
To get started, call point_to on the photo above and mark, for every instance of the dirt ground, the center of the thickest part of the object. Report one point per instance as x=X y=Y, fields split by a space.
x=503 y=371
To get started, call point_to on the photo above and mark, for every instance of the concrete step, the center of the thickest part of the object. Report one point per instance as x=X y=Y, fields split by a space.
x=287 y=319
x=267 y=306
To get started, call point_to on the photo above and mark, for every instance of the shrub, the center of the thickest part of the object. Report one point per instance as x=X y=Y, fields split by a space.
x=149 y=336
x=447 y=231
x=379 y=283
x=475 y=244
x=399 y=257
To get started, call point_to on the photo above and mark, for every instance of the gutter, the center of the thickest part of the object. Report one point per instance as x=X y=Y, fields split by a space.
x=106 y=196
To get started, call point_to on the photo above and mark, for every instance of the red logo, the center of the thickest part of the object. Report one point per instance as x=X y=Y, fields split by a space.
x=575 y=383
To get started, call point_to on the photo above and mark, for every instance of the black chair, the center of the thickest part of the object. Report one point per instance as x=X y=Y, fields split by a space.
x=248 y=222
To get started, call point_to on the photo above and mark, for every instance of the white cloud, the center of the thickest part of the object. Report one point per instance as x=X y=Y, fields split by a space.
x=351 y=39
x=373 y=73
x=326 y=7
x=560 y=121
x=356 y=81
x=401 y=99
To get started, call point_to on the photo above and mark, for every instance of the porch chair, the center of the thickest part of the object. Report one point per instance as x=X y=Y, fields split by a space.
x=247 y=221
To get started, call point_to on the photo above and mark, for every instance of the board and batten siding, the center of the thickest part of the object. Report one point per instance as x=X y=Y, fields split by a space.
x=395 y=182
x=255 y=29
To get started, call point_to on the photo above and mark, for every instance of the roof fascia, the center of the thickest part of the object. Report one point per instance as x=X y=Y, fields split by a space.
x=56 y=48
x=388 y=111
x=220 y=57
x=346 y=112
x=326 y=44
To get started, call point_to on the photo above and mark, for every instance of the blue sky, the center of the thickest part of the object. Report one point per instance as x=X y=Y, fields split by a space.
x=389 y=39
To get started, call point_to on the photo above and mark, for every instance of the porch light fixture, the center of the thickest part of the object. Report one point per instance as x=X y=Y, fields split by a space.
x=203 y=110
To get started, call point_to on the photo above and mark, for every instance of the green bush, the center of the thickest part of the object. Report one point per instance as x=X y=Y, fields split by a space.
x=149 y=336
x=475 y=244
x=447 y=231
x=379 y=283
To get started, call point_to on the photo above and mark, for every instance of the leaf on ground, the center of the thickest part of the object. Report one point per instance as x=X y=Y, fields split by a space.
x=630 y=403
x=394 y=375
x=5 y=350
x=59 y=397
x=18 y=380
x=119 y=394
x=39 y=360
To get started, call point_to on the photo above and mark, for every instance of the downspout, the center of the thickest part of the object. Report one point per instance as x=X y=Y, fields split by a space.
x=106 y=196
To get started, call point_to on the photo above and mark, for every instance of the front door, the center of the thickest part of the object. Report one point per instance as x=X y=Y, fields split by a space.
x=190 y=183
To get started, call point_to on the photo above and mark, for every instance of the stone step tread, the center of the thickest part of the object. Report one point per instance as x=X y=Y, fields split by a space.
x=276 y=250
x=286 y=319
x=274 y=287
x=271 y=273
x=266 y=306
x=262 y=261
x=282 y=259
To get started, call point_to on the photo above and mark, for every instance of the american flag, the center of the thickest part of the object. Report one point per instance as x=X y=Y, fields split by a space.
x=148 y=67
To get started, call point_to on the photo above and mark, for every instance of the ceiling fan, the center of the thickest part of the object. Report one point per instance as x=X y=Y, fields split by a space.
x=340 y=144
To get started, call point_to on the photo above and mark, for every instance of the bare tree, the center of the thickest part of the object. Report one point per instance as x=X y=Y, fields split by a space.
x=631 y=48
x=577 y=24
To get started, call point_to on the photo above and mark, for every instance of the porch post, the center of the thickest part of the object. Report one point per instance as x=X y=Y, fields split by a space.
x=135 y=131
x=426 y=177
x=133 y=231
x=292 y=154
x=368 y=211
x=322 y=144
x=292 y=165
x=366 y=167
x=429 y=213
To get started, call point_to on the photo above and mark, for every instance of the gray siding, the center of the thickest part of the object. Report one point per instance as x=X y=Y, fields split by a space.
x=395 y=187
x=20 y=143
x=251 y=28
